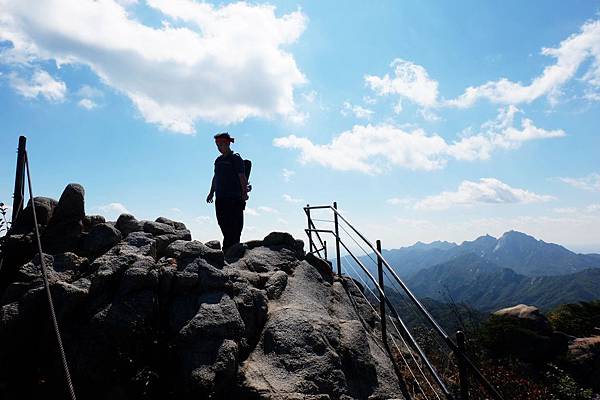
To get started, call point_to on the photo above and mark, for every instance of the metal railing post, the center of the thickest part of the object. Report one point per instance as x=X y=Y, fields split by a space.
x=19 y=193
x=337 y=241
x=381 y=294
x=325 y=248
x=310 y=240
x=462 y=367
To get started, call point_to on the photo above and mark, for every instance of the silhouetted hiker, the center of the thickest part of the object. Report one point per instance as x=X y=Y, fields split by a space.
x=230 y=185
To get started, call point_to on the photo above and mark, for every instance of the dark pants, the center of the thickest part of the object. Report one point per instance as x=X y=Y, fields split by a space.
x=230 y=215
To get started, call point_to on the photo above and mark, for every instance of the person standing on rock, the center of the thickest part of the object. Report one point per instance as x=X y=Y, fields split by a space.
x=230 y=186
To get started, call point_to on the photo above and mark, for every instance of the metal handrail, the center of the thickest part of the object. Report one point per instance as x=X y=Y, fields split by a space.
x=455 y=348
x=405 y=329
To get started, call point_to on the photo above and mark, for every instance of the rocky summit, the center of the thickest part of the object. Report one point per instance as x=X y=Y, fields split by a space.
x=148 y=313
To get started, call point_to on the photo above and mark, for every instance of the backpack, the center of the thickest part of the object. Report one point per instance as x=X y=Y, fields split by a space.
x=247 y=168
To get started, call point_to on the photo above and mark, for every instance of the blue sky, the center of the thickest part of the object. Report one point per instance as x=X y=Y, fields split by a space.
x=424 y=120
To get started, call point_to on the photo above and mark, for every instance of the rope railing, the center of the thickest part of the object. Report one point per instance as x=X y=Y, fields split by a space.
x=464 y=362
x=23 y=179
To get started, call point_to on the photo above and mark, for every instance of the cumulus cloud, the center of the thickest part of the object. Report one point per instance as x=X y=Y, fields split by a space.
x=287 y=174
x=87 y=104
x=269 y=210
x=373 y=149
x=410 y=81
x=291 y=199
x=590 y=182
x=570 y=55
x=499 y=133
x=487 y=190
x=40 y=84
x=592 y=208
x=358 y=111
x=565 y=210
x=221 y=64
x=114 y=207
x=310 y=96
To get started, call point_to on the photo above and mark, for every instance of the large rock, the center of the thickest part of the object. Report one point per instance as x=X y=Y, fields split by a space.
x=100 y=239
x=44 y=208
x=529 y=316
x=127 y=223
x=159 y=316
x=182 y=250
x=177 y=225
x=66 y=224
x=522 y=331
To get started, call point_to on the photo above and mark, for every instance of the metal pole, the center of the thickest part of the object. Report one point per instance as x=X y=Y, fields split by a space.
x=462 y=367
x=381 y=294
x=310 y=240
x=325 y=249
x=19 y=193
x=337 y=241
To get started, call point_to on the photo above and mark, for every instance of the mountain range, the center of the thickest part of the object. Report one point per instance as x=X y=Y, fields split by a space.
x=482 y=284
x=518 y=251
x=489 y=273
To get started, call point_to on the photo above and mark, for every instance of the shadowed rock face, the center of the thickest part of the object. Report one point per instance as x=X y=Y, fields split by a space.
x=147 y=313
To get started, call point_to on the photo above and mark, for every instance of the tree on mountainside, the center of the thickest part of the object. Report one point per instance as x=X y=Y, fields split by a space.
x=581 y=319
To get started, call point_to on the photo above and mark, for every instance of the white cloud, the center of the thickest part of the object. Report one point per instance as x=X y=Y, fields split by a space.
x=291 y=199
x=428 y=115
x=221 y=64
x=117 y=207
x=565 y=210
x=252 y=211
x=269 y=210
x=590 y=182
x=282 y=221
x=40 y=84
x=287 y=174
x=373 y=149
x=499 y=133
x=570 y=55
x=87 y=91
x=592 y=208
x=410 y=81
x=487 y=190
x=175 y=210
x=357 y=111
x=87 y=104
x=369 y=100
x=310 y=96
x=113 y=210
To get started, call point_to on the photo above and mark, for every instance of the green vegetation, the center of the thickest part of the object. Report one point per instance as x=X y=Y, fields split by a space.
x=525 y=358
x=581 y=319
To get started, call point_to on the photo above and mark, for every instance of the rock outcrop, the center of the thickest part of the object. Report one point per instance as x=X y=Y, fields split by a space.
x=148 y=313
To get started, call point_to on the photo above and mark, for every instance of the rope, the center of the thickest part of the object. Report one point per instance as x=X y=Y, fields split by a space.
x=437 y=340
x=393 y=341
x=47 y=286
x=415 y=361
x=322 y=220
x=408 y=366
x=399 y=335
x=364 y=283
x=354 y=240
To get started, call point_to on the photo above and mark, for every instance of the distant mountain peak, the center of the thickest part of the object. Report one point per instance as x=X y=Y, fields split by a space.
x=438 y=244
